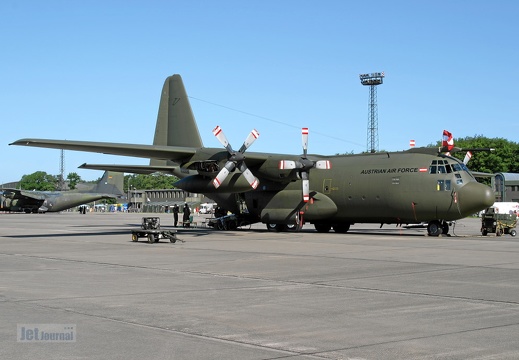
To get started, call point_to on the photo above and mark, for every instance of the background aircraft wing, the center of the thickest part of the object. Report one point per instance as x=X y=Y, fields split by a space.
x=175 y=153
x=18 y=194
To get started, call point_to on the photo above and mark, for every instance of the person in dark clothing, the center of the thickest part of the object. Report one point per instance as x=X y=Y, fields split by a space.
x=176 y=209
x=187 y=213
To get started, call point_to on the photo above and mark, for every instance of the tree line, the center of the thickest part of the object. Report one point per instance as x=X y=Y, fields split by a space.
x=42 y=181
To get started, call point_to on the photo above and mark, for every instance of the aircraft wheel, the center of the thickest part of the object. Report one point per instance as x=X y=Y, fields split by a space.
x=434 y=228
x=276 y=227
x=484 y=232
x=341 y=228
x=445 y=228
x=151 y=238
x=294 y=227
x=513 y=232
x=322 y=228
x=232 y=225
x=135 y=237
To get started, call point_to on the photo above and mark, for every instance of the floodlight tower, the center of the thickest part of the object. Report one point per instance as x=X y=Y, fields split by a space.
x=372 y=80
x=61 y=180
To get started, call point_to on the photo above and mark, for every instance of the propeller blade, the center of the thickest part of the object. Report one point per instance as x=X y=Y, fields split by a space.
x=323 y=164
x=306 y=190
x=304 y=133
x=222 y=175
x=254 y=134
x=467 y=158
x=287 y=164
x=253 y=181
x=218 y=132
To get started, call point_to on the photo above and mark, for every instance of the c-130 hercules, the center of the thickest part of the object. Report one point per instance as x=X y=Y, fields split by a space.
x=281 y=190
x=110 y=186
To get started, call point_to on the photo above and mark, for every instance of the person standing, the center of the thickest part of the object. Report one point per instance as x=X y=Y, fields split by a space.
x=187 y=213
x=175 y=215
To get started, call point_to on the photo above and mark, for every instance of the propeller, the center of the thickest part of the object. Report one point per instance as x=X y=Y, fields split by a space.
x=304 y=165
x=236 y=158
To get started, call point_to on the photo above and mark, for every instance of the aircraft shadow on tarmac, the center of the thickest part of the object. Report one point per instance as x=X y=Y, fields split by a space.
x=68 y=234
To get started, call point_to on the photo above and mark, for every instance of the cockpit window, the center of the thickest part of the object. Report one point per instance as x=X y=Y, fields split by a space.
x=442 y=166
x=456 y=167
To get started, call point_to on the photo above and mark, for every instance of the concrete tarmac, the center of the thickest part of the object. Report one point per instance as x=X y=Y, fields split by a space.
x=372 y=293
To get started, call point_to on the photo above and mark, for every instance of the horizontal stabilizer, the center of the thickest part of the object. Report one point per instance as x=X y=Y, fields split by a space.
x=133 y=169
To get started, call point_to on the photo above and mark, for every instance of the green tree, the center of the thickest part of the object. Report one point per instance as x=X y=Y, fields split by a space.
x=149 y=182
x=39 y=180
x=505 y=157
x=73 y=179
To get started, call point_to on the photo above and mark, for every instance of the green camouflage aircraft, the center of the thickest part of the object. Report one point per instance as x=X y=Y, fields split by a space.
x=109 y=187
x=421 y=185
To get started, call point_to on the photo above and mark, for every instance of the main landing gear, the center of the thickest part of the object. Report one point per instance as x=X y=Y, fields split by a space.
x=284 y=227
x=437 y=228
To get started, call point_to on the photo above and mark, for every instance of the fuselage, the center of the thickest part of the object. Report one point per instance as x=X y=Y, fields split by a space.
x=398 y=187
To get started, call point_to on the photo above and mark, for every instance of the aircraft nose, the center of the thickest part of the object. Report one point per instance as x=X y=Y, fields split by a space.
x=474 y=197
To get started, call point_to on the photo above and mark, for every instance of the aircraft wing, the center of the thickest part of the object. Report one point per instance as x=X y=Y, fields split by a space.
x=134 y=169
x=175 y=153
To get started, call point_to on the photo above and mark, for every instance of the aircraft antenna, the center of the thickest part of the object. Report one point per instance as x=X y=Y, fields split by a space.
x=372 y=80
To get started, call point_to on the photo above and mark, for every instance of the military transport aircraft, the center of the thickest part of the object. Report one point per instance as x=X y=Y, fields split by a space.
x=281 y=190
x=109 y=187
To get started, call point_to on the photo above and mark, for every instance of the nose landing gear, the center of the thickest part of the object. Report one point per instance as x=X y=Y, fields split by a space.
x=437 y=228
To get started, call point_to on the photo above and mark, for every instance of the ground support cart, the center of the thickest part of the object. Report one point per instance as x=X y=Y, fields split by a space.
x=229 y=222
x=500 y=224
x=150 y=228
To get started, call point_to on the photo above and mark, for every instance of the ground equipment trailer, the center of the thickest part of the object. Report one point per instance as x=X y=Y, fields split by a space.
x=150 y=228
x=492 y=222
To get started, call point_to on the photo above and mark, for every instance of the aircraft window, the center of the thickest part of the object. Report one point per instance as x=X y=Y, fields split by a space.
x=440 y=185
x=441 y=169
x=434 y=162
x=432 y=169
x=447 y=185
x=449 y=169
x=457 y=167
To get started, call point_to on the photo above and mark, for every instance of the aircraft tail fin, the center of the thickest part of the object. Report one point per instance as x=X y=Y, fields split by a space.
x=110 y=183
x=176 y=125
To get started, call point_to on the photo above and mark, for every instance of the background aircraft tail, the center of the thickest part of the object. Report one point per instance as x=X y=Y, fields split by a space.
x=110 y=183
x=176 y=125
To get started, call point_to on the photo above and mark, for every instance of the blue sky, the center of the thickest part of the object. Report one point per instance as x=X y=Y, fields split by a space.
x=93 y=70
